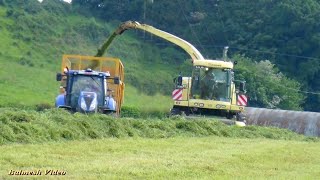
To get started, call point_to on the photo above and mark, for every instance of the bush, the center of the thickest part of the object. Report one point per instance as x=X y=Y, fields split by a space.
x=127 y=111
x=266 y=86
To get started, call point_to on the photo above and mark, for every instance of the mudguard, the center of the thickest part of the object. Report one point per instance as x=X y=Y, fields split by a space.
x=60 y=100
x=110 y=103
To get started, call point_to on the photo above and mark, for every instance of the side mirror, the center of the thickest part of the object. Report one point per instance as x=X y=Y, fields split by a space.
x=59 y=77
x=179 y=82
x=116 y=80
x=242 y=86
x=235 y=62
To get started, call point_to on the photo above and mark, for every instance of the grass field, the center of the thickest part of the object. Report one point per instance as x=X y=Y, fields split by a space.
x=103 y=147
x=172 y=158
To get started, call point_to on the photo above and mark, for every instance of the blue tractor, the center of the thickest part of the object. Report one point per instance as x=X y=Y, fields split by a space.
x=86 y=91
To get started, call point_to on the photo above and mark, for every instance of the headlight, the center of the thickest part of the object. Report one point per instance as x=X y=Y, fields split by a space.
x=218 y=106
x=83 y=104
x=93 y=104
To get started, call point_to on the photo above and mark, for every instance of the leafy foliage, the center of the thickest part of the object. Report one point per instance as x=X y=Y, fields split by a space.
x=266 y=86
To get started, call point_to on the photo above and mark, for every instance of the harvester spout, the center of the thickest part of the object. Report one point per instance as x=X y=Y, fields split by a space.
x=189 y=48
x=123 y=27
x=225 y=55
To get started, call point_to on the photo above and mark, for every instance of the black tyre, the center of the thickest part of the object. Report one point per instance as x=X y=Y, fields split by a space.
x=175 y=111
x=229 y=115
x=241 y=117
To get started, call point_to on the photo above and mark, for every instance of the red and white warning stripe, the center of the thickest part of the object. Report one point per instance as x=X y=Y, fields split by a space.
x=242 y=100
x=177 y=94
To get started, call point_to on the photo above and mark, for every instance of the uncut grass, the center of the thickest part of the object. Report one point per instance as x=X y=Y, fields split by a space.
x=59 y=125
x=142 y=102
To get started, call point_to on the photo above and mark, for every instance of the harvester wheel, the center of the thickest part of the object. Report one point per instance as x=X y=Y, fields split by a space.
x=229 y=115
x=175 y=111
x=241 y=117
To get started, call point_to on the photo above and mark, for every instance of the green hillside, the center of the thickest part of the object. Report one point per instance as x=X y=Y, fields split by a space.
x=33 y=42
x=35 y=36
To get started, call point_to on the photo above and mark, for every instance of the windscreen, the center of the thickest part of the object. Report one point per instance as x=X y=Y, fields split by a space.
x=210 y=84
x=89 y=84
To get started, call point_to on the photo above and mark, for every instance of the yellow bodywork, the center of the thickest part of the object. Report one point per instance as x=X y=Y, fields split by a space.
x=214 y=64
x=101 y=64
x=188 y=101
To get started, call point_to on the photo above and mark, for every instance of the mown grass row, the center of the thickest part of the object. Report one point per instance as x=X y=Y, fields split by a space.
x=126 y=111
x=58 y=125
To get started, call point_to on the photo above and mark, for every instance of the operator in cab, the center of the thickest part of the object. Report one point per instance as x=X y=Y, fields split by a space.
x=208 y=84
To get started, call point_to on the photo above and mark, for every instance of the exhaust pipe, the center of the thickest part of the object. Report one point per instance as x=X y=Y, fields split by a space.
x=307 y=123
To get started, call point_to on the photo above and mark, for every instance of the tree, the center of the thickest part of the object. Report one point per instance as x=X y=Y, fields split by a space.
x=266 y=86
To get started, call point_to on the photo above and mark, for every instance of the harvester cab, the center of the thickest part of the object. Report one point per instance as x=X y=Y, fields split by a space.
x=211 y=90
x=89 y=91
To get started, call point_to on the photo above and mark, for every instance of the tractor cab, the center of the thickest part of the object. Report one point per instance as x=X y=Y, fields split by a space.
x=85 y=91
